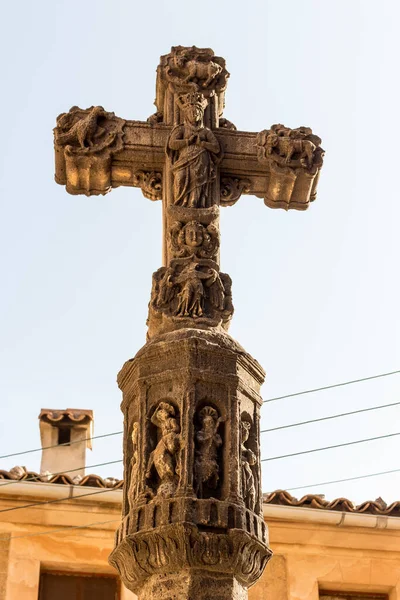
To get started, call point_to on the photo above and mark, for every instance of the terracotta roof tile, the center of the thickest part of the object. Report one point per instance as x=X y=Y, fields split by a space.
x=21 y=474
x=280 y=497
x=76 y=415
x=374 y=507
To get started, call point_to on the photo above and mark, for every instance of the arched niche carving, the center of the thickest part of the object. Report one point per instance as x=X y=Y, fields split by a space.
x=209 y=450
x=163 y=464
x=249 y=462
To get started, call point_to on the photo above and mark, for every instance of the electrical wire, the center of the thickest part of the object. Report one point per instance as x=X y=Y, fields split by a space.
x=353 y=412
x=95 y=437
x=31 y=504
x=301 y=487
x=40 y=477
x=328 y=387
x=379 y=437
x=67 y=529
x=63 y=530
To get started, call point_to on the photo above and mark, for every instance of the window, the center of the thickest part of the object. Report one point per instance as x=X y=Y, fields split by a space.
x=55 y=586
x=64 y=435
x=325 y=595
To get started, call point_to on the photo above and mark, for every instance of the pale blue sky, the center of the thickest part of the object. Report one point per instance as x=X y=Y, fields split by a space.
x=316 y=293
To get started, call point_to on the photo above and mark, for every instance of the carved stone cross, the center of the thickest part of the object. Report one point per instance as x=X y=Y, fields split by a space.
x=191 y=157
x=192 y=522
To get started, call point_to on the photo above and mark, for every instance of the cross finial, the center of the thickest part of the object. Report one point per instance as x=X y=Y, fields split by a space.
x=194 y=159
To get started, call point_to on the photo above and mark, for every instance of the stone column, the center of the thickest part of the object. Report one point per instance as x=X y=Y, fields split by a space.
x=192 y=526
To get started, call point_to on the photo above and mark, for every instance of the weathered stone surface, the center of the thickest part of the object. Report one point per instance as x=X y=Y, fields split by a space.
x=192 y=500
x=192 y=525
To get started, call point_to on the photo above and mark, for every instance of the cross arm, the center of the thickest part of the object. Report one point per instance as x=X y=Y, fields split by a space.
x=96 y=151
x=280 y=165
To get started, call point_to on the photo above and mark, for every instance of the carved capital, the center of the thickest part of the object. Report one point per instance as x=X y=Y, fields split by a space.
x=173 y=548
x=294 y=158
x=85 y=141
x=150 y=182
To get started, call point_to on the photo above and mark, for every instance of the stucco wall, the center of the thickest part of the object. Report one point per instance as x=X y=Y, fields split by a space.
x=308 y=556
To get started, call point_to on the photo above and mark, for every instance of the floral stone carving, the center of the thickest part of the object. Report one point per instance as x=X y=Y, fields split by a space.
x=85 y=141
x=207 y=561
x=232 y=188
x=150 y=182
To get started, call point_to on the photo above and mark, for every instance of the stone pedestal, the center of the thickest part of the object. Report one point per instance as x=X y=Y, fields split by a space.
x=192 y=524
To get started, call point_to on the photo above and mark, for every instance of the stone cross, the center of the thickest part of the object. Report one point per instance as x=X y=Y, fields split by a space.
x=192 y=524
x=191 y=157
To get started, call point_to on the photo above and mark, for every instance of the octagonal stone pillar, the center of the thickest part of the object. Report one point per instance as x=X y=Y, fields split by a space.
x=192 y=509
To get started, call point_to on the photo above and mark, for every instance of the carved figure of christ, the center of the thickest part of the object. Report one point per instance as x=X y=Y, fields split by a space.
x=195 y=160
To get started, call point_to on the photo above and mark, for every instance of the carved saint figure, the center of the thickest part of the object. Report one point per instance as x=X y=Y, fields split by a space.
x=133 y=465
x=248 y=459
x=164 y=458
x=193 y=238
x=184 y=290
x=208 y=441
x=193 y=150
x=192 y=293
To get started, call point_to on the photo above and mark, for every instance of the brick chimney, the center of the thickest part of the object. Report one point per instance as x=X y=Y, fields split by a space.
x=65 y=435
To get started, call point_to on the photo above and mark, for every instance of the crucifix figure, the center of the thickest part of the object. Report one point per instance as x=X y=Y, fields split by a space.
x=192 y=524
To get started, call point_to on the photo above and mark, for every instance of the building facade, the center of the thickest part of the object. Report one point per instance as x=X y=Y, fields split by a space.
x=57 y=532
x=58 y=546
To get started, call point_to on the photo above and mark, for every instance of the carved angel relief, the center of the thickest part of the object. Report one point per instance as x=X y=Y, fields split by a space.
x=194 y=239
x=163 y=461
x=193 y=289
x=194 y=152
x=208 y=441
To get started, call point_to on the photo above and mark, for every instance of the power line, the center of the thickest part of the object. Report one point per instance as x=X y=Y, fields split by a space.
x=40 y=477
x=354 y=412
x=262 y=460
x=31 y=504
x=328 y=387
x=300 y=487
x=380 y=437
x=95 y=437
x=265 y=401
x=63 y=530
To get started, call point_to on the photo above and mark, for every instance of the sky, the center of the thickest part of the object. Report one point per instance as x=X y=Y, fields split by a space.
x=316 y=293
